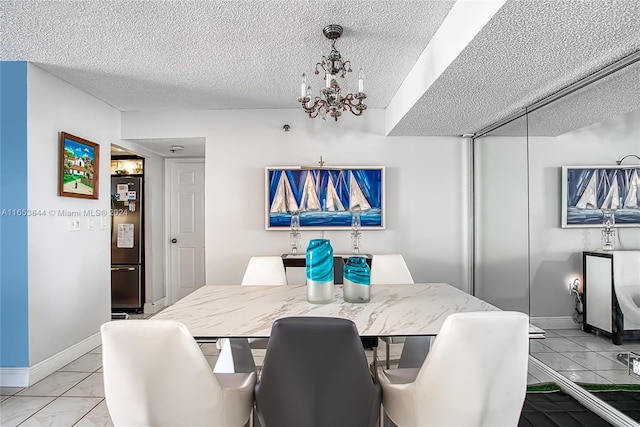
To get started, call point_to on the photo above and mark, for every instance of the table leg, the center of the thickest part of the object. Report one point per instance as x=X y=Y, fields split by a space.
x=235 y=357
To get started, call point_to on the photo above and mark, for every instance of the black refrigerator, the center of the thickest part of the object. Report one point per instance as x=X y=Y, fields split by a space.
x=127 y=240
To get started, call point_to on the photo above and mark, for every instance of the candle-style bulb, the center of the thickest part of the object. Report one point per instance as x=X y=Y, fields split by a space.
x=360 y=80
x=303 y=86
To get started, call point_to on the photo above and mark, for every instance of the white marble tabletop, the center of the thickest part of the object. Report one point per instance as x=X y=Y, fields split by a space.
x=249 y=311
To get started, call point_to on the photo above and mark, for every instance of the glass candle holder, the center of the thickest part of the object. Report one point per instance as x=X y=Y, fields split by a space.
x=294 y=234
x=608 y=231
x=355 y=231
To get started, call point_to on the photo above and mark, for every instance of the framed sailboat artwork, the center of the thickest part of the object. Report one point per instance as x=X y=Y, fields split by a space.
x=325 y=197
x=589 y=191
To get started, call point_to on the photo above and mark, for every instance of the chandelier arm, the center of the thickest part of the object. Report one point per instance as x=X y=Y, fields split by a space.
x=356 y=108
x=353 y=109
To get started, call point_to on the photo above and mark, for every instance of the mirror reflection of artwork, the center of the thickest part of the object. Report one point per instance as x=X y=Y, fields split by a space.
x=79 y=161
x=325 y=198
x=588 y=192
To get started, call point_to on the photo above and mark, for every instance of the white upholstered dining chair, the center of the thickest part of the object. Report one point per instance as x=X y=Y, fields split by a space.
x=156 y=375
x=474 y=375
x=261 y=271
x=390 y=270
x=236 y=357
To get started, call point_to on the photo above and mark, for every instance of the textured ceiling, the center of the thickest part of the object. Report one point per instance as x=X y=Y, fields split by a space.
x=154 y=55
x=604 y=99
x=235 y=54
x=530 y=49
x=191 y=147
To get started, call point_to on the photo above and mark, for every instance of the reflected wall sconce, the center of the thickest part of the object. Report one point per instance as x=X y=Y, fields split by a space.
x=574 y=286
x=618 y=162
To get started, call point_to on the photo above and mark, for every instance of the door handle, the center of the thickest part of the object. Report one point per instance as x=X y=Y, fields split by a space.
x=174 y=240
x=122 y=269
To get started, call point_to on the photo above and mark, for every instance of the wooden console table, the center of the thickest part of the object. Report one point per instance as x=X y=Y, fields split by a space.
x=300 y=260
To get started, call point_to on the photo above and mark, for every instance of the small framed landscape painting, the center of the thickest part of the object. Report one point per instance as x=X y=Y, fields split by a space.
x=588 y=191
x=325 y=198
x=79 y=161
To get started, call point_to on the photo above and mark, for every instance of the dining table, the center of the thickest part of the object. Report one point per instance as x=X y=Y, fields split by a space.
x=233 y=311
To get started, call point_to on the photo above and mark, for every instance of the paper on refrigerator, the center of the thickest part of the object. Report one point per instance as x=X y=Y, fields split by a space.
x=125 y=236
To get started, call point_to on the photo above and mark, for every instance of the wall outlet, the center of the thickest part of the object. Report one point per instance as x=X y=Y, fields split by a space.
x=634 y=365
x=74 y=224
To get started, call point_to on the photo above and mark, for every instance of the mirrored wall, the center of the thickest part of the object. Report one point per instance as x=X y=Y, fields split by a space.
x=524 y=258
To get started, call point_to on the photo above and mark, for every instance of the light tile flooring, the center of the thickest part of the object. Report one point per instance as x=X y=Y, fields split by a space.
x=74 y=396
x=582 y=357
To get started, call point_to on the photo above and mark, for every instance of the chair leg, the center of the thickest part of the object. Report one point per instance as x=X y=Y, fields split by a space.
x=388 y=351
x=414 y=351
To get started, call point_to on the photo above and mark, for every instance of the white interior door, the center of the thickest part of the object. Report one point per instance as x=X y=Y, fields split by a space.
x=186 y=229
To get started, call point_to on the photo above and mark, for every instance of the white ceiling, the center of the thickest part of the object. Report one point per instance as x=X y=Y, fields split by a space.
x=237 y=54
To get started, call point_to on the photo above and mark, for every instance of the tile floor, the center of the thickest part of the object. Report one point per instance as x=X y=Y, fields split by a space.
x=582 y=357
x=74 y=396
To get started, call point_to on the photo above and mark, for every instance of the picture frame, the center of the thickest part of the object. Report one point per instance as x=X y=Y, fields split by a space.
x=325 y=198
x=588 y=191
x=79 y=167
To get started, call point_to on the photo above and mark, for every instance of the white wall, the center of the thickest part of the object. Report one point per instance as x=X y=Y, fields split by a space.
x=423 y=181
x=69 y=276
x=501 y=223
x=556 y=253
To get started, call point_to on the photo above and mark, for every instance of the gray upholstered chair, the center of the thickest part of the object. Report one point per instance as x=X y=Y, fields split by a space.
x=156 y=375
x=315 y=374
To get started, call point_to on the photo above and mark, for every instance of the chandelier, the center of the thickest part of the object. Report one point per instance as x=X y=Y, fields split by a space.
x=331 y=102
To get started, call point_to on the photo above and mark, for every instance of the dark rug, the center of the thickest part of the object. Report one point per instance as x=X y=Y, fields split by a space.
x=557 y=409
x=547 y=405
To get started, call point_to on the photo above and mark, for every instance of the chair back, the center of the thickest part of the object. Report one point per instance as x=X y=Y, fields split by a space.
x=265 y=270
x=390 y=270
x=156 y=375
x=315 y=374
x=476 y=371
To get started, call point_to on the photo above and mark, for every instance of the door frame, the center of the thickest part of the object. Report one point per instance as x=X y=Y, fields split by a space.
x=167 y=222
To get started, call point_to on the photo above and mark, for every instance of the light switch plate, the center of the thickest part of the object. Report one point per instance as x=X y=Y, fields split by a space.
x=74 y=224
x=90 y=225
x=104 y=222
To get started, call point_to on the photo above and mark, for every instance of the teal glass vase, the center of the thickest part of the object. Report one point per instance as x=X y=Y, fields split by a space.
x=357 y=280
x=319 y=271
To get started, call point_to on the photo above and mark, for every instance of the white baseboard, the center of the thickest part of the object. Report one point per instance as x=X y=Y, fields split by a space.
x=560 y=322
x=154 y=307
x=24 y=377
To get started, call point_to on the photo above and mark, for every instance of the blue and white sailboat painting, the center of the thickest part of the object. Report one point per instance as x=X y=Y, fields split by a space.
x=324 y=197
x=588 y=191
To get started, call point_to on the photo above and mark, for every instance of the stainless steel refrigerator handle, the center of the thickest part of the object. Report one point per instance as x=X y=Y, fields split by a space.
x=122 y=269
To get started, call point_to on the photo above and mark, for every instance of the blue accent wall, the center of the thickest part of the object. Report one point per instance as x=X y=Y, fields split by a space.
x=14 y=296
